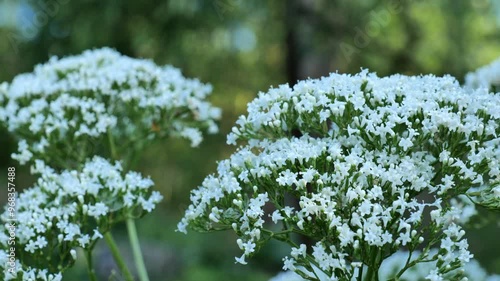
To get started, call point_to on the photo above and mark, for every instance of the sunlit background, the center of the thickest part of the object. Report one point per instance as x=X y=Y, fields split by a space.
x=241 y=48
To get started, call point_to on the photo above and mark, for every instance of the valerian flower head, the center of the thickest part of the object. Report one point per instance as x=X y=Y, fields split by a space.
x=348 y=199
x=487 y=77
x=75 y=102
x=12 y=269
x=426 y=271
x=402 y=114
x=421 y=271
x=73 y=209
x=487 y=196
x=356 y=153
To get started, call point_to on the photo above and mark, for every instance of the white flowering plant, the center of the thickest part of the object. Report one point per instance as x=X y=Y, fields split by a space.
x=362 y=166
x=66 y=107
x=472 y=270
x=26 y=274
x=73 y=209
x=70 y=115
x=487 y=77
x=393 y=264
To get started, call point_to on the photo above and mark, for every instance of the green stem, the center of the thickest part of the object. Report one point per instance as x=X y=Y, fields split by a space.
x=360 y=276
x=372 y=273
x=407 y=265
x=112 y=146
x=118 y=257
x=90 y=269
x=369 y=273
x=136 y=250
x=132 y=231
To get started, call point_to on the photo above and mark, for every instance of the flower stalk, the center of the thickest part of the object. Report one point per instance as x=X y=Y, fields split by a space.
x=118 y=257
x=136 y=250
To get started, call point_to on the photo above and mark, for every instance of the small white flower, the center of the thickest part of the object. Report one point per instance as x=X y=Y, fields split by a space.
x=276 y=216
x=434 y=276
x=96 y=235
x=301 y=251
x=241 y=260
x=405 y=143
x=288 y=264
x=84 y=240
x=73 y=253
x=97 y=210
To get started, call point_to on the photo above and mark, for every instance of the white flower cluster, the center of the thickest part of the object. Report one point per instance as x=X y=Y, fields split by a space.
x=397 y=261
x=487 y=77
x=355 y=152
x=392 y=265
x=19 y=273
x=399 y=113
x=80 y=98
x=402 y=111
x=348 y=198
x=73 y=209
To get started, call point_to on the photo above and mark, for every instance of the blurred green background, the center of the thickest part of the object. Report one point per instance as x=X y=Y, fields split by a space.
x=241 y=48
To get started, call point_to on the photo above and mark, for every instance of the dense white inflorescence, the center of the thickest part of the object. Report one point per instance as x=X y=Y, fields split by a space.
x=365 y=159
x=427 y=113
x=18 y=273
x=392 y=265
x=73 y=209
x=70 y=102
x=487 y=77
